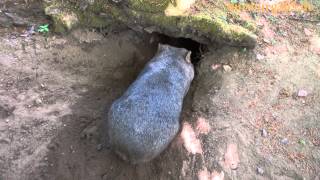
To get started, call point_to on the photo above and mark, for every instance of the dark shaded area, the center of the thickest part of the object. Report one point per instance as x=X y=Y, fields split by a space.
x=195 y=47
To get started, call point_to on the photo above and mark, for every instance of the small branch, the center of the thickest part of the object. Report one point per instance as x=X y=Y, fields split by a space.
x=301 y=19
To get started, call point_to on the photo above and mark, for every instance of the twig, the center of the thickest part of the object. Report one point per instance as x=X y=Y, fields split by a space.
x=301 y=19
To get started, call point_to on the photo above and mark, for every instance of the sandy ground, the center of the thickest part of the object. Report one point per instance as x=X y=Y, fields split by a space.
x=250 y=114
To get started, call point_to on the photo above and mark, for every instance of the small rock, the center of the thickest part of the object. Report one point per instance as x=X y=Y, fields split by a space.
x=227 y=68
x=302 y=93
x=260 y=57
x=264 y=132
x=38 y=101
x=285 y=141
x=260 y=171
x=51 y=146
x=25 y=127
x=99 y=147
x=266 y=41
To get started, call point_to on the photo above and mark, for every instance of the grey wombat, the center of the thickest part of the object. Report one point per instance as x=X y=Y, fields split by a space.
x=145 y=119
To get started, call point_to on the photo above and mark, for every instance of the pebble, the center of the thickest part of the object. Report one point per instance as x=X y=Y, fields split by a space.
x=38 y=101
x=99 y=147
x=25 y=127
x=51 y=146
x=260 y=57
x=266 y=41
x=227 y=68
x=285 y=141
x=260 y=171
x=302 y=93
x=264 y=132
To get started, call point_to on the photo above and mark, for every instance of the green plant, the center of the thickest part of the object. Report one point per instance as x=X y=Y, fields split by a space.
x=234 y=1
x=302 y=142
x=44 y=29
x=273 y=19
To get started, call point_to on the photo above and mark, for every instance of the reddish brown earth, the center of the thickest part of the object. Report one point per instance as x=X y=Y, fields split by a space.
x=250 y=114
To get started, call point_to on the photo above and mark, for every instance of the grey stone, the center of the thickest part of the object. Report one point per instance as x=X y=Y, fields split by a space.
x=264 y=132
x=285 y=141
x=260 y=171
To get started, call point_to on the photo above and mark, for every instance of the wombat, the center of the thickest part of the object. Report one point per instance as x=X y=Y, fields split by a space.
x=145 y=119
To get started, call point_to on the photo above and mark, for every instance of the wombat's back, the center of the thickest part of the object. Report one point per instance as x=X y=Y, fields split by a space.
x=145 y=119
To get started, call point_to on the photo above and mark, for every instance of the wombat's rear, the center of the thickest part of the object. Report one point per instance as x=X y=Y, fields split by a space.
x=143 y=121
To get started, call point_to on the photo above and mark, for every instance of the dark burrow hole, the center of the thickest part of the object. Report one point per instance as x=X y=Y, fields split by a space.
x=197 y=49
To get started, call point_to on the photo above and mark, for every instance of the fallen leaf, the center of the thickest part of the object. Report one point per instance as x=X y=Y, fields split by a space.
x=217 y=176
x=266 y=41
x=227 y=68
x=190 y=141
x=315 y=44
x=307 y=32
x=231 y=157
x=215 y=66
x=203 y=127
x=204 y=174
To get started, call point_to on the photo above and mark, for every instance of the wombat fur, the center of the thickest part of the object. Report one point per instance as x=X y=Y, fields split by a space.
x=145 y=119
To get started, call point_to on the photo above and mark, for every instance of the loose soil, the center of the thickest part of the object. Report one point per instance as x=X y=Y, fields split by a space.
x=249 y=114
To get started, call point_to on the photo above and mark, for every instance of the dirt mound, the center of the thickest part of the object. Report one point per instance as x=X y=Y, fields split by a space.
x=250 y=114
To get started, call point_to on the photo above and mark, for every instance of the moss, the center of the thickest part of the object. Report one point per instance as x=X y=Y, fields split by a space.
x=92 y=20
x=202 y=23
x=209 y=25
x=63 y=19
x=151 y=6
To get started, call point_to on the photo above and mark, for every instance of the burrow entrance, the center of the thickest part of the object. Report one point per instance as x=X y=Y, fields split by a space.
x=197 y=49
